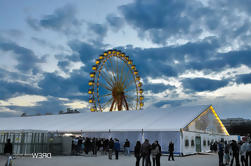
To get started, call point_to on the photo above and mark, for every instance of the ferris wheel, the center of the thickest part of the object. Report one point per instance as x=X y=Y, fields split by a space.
x=115 y=83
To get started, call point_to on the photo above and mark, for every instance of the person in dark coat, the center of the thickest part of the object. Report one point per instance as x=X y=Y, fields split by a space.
x=87 y=145
x=111 y=146
x=235 y=150
x=8 y=148
x=171 y=150
x=154 y=152
x=248 y=153
x=105 y=146
x=94 y=146
x=145 y=153
x=80 y=141
x=137 y=152
x=127 y=147
x=117 y=148
x=158 y=155
x=221 y=152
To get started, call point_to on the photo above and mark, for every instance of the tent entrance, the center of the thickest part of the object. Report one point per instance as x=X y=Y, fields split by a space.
x=198 y=143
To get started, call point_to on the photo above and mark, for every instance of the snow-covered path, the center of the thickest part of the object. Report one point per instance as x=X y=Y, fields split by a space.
x=194 y=160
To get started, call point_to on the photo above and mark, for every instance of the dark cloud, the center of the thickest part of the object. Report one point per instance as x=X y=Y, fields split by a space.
x=86 y=52
x=99 y=29
x=75 y=86
x=64 y=65
x=244 y=78
x=27 y=60
x=62 y=19
x=115 y=22
x=223 y=61
x=203 y=84
x=162 y=20
x=33 y=23
x=12 y=89
x=170 y=61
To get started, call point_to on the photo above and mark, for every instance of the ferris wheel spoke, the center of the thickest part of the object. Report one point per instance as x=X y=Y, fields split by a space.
x=107 y=79
x=106 y=103
x=117 y=70
x=112 y=70
x=129 y=83
x=105 y=95
x=105 y=87
x=122 y=73
x=125 y=78
x=110 y=77
x=126 y=104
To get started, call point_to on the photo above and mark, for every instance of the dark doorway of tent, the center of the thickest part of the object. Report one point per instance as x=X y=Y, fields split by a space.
x=198 y=144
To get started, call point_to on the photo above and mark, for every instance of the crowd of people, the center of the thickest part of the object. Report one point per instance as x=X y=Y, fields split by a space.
x=229 y=152
x=234 y=152
x=142 y=152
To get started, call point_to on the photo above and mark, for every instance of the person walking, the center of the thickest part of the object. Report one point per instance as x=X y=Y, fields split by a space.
x=221 y=152
x=137 y=152
x=171 y=150
x=235 y=150
x=111 y=146
x=248 y=153
x=79 y=145
x=116 y=148
x=8 y=147
x=87 y=145
x=158 y=155
x=155 y=152
x=145 y=153
x=127 y=147
x=8 y=150
x=105 y=146
x=227 y=153
x=243 y=151
x=94 y=146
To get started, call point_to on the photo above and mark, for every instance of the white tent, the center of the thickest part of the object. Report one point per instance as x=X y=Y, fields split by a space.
x=148 y=120
x=164 y=125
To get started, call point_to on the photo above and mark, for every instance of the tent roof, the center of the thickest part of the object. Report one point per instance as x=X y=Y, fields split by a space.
x=148 y=120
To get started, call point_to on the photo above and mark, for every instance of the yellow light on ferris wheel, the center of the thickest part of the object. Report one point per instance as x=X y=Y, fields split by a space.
x=91 y=83
x=92 y=75
x=129 y=62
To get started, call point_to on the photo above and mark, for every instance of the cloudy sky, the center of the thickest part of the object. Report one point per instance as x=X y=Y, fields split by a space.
x=187 y=52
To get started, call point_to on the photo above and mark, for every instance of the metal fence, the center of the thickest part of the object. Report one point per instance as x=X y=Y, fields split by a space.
x=28 y=142
x=25 y=142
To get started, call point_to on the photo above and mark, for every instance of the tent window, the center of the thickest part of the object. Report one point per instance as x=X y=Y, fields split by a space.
x=208 y=143
x=192 y=143
x=186 y=142
x=204 y=142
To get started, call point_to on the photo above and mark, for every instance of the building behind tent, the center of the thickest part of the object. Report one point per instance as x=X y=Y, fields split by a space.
x=191 y=129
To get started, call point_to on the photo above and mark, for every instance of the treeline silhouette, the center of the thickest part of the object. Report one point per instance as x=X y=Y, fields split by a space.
x=241 y=129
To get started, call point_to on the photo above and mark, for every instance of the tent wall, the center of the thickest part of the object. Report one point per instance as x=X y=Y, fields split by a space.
x=163 y=137
x=24 y=142
x=192 y=142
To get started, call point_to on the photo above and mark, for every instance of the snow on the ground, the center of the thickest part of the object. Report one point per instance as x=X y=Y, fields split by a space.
x=194 y=160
